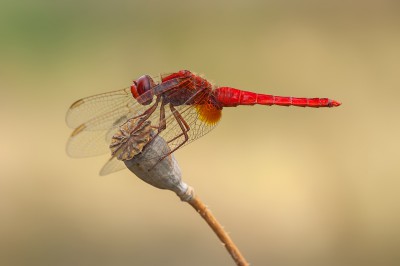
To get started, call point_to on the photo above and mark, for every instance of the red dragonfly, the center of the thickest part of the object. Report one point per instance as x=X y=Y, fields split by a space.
x=180 y=107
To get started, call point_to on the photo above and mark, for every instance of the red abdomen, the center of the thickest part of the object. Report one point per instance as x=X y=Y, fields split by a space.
x=229 y=97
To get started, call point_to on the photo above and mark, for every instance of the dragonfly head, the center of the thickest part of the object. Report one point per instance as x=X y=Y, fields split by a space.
x=141 y=89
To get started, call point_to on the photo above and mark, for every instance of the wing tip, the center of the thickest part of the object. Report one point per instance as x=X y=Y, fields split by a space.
x=111 y=166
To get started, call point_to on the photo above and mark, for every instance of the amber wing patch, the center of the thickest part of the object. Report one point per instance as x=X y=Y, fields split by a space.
x=208 y=113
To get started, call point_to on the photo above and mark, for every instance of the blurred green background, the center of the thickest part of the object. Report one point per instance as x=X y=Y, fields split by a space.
x=293 y=186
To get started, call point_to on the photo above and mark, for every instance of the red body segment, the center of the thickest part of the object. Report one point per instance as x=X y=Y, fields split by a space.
x=230 y=97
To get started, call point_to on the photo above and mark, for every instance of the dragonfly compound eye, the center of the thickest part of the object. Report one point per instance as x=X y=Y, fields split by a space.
x=143 y=89
x=144 y=84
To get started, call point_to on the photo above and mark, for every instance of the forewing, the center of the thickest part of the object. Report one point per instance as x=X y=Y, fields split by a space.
x=90 y=107
x=93 y=137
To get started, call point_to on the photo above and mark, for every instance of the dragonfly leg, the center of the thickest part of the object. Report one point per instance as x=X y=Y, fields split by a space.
x=184 y=127
x=146 y=114
x=163 y=124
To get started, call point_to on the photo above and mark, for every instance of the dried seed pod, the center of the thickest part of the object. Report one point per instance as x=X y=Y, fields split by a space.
x=164 y=174
x=130 y=139
x=138 y=146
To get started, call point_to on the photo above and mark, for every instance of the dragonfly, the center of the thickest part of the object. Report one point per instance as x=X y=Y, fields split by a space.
x=180 y=107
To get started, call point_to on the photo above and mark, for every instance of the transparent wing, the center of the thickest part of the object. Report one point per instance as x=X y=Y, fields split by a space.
x=111 y=166
x=93 y=137
x=90 y=107
x=101 y=117
x=193 y=117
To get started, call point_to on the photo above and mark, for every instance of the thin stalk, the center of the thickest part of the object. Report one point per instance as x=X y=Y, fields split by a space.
x=230 y=246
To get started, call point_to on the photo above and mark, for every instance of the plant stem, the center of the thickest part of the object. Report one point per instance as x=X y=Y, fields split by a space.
x=202 y=209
